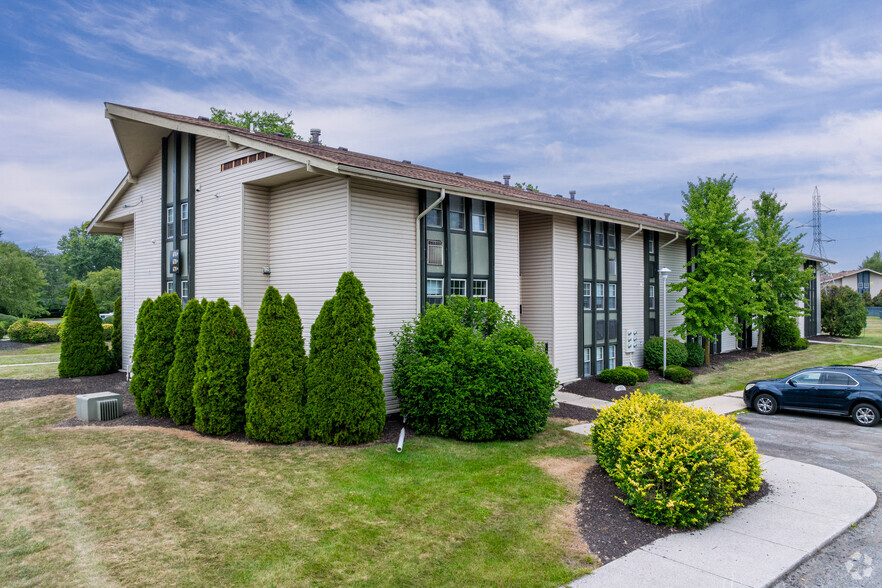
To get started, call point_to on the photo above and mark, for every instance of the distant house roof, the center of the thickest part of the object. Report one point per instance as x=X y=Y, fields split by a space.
x=845 y=274
x=353 y=163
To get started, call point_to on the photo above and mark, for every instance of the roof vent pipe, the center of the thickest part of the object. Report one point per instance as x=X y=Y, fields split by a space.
x=505 y=179
x=315 y=137
x=250 y=127
x=572 y=194
x=667 y=216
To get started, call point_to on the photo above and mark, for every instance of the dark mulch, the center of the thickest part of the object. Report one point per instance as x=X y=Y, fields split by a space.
x=608 y=526
x=576 y=413
x=593 y=388
x=19 y=389
x=7 y=345
x=825 y=338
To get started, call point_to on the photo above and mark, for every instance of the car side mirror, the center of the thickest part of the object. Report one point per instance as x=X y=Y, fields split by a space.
x=791 y=383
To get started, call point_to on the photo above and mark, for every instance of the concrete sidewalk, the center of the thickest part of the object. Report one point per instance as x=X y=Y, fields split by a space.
x=807 y=508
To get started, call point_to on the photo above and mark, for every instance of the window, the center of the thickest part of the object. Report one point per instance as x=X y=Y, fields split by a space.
x=586 y=296
x=838 y=379
x=600 y=329
x=612 y=297
x=435 y=252
x=479 y=289
x=169 y=222
x=479 y=217
x=598 y=239
x=170 y=287
x=185 y=291
x=807 y=379
x=586 y=361
x=651 y=245
x=598 y=303
x=612 y=267
x=586 y=236
x=651 y=296
x=457 y=287
x=612 y=356
x=611 y=240
x=435 y=218
x=434 y=291
x=599 y=359
x=457 y=213
x=185 y=219
x=613 y=328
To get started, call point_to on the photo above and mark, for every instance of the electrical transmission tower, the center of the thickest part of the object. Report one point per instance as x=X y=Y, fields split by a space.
x=818 y=236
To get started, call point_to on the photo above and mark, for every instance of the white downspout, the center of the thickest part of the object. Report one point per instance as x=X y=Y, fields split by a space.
x=419 y=248
x=676 y=236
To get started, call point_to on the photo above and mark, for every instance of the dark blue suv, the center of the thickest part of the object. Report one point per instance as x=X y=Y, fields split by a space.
x=842 y=390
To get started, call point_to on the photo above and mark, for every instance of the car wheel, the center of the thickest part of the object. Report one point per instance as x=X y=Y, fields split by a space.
x=765 y=404
x=866 y=415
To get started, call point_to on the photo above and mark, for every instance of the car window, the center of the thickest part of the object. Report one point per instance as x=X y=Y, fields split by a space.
x=837 y=379
x=807 y=378
x=874 y=379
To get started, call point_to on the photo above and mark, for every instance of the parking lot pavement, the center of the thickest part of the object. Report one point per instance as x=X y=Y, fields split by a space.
x=855 y=557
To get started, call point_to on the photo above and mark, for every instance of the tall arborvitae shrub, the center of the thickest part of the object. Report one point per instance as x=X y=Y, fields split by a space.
x=83 y=351
x=141 y=361
x=71 y=301
x=346 y=400
x=161 y=328
x=116 y=336
x=221 y=370
x=179 y=389
x=276 y=396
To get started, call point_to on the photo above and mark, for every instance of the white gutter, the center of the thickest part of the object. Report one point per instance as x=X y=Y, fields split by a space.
x=676 y=236
x=419 y=281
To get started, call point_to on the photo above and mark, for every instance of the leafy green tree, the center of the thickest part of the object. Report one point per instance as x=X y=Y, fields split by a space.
x=346 y=404
x=179 y=389
x=717 y=284
x=873 y=262
x=221 y=370
x=142 y=361
x=83 y=350
x=116 y=337
x=264 y=122
x=21 y=282
x=778 y=278
x=106 y=286
x=276 y=397
x=528 y=187
x=877 y=299
x=161 y=327
x=84 y=253
x=843 y=313
x=53 y=295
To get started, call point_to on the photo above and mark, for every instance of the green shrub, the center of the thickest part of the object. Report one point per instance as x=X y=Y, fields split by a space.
x=694 y=354
x=163 y=321
x=108 y=331
x=72 y=299
x=8 y=319
x=276 y=392
x=221 y=369
x=116 y=337
x=877 y=301
x=179 y=385
x=677 y=374
x=108 y=320
x=2 y=330
x=653 y=350
x=780 y=333
x=677 y=465
x=346 y=404
x=620 y=375
x=800 y=344
x=642 y=375
x=83 y=348
x=842 y=312
x=141 y=360
x=28 y=331
x=868 y=300
x=468 y=370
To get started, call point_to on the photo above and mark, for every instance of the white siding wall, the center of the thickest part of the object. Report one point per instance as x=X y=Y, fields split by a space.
x=537 y=279
x=729 y=342
x=128 y=293
x=633 y=293
x=674 y=258
x=309 y=242
x=255 y=251
x=383 y=256
x=507 y=279
x=218 y=216
x=566 y=298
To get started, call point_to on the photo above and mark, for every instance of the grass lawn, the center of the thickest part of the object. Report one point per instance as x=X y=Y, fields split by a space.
x=872 y=335
x=733 y=376
x=32 y=354
x=137 y=506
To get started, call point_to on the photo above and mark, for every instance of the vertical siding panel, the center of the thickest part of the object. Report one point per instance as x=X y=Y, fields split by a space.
x=507 y=259
x=537 y=279
x=383 y=256
x=255 y=251
x=566 y=297
x=633 y=293
x=308 y=242
x=128 y=293
x=674 y=258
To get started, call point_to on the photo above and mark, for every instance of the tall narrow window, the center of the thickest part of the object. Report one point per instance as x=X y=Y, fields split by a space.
x=185 y=291
x=170 y=222
x=185 y=219
x=651 y=296
x=598 y=302
x=457 y=213
x=586 y=296
x=178 y=191
x=479 y=217
x=612 y=297
x=612 y=356
x=434 y=291
x=435 y=218
x=598 y=267
x=435 y=252
x=599 y=360
x=170 y=287
x=586 y=361
x=598 y=241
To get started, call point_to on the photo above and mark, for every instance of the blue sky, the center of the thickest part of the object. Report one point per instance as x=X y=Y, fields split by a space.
x=624 y=102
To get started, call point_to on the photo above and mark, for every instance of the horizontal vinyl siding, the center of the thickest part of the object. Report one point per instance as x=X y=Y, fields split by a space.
x=507 y=279
x=537 y=281
x=672 y=257
x=218 y=216
x=128 y=293
x=729 y=342
x=633 y=294
x=309 y=240
x=383 y=256
x=566 y=298
x=255 y=251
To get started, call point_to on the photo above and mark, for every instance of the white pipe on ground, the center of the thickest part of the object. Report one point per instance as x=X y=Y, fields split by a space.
x=401 y=435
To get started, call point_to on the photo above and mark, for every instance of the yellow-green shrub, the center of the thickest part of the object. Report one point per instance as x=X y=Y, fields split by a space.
x=677 y=465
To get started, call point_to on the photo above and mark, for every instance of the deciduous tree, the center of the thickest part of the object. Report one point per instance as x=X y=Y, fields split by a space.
x=84 y=253
x=264 y=122
x=20 y=282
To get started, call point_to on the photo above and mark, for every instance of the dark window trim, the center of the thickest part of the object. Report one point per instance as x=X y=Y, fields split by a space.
x=589 y=227
x=182 y=194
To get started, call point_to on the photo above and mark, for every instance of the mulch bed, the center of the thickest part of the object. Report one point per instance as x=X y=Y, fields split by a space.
x=610 y=529
x=20 y=389
x=593 y=388
x=571 y=411
x=825 y=339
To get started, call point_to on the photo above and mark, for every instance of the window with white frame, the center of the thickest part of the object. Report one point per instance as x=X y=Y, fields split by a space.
x=612 y=297
x=457 y=213
x=170 y=287
x=479 y=217
x=435 y=252
x=185 y=291
x=586 y=361
x=651 y=296
x=185 y=219
x=598 y=298
x=598 y=238
x=170 y=222
x=612 y=357
x=611 y=240
x=479 y=289
x=457 y=287
x=599 y=360
x=435 y=291
x=586 y=296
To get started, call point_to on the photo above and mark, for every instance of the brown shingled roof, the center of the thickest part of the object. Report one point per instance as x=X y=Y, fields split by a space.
x=425 y=174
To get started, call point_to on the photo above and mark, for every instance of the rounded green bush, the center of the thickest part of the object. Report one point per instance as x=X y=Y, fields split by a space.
x=108 y=331
x=468 y=370
x=780 y=333
x=2 y=330
x=141 y=361
x=179 y=386
x=694 y=354
x=653 y=351
x=620 y=375
x=801 y=344
x=677 y=374
x=642 y=375
x=843 y=313
x=276 y=391
x=28 y=331
x=83 y=348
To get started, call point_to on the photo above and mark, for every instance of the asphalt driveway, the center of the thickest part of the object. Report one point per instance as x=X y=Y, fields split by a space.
x=855 y=557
